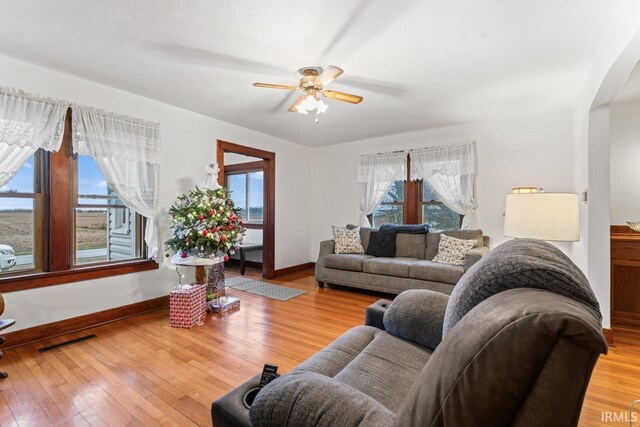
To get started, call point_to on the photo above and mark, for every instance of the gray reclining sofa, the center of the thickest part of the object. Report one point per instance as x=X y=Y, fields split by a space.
x=411 y=268
x=514 y=344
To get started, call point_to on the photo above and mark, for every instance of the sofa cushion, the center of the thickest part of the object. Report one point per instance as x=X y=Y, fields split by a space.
x=351 y=262
x=436 y=272
x=397 y=267
x=433 y=240
x=411 y=245
x=381 y=244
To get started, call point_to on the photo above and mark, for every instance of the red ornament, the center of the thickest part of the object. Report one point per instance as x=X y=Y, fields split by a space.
x=223 y=238
x=230 y=227
x=212 y=212
x=240 y=222
x=226 y=258
x=205 y=232
x=200 y=217
x=215 y=229
x=183 y=255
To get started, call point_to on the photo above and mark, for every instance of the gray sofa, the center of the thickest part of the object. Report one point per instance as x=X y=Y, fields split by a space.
x=412 y=267
x=514 y=344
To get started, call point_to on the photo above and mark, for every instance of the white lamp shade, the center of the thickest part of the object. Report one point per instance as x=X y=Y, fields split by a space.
x=544 y=216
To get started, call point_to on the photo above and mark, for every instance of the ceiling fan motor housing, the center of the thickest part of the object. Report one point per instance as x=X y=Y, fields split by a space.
x=309 y=75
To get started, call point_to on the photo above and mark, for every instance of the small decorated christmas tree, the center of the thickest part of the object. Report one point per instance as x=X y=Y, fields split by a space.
x=205 y=224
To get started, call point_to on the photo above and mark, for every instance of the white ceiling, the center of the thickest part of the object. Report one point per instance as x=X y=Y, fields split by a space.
x=630 y=91
x=418 y=64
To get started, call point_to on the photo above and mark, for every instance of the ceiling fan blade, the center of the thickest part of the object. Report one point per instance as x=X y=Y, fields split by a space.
x=341 y=96
x=273 y=86
x=293 y=108
x=328 y=75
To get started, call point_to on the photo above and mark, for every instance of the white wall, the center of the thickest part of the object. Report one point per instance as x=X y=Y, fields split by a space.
x=188 y=146
x=533 y=150
x=617 y=55
x=625 y=162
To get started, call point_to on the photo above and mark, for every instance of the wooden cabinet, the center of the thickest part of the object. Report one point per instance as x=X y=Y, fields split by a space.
x=625 y=277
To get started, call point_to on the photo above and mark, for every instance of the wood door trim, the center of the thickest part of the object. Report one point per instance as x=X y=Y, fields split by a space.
x=269 y=169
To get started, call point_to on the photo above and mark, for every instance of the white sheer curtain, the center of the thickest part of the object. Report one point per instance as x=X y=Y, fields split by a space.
x=27 y=123
x=376 y=173
x=450 y=172
x=127 y=152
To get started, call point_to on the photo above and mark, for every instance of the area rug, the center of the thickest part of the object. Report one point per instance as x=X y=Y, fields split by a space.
x=246 y=284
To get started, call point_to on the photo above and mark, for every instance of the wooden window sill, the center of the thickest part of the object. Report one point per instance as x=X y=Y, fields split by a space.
x=77 y=274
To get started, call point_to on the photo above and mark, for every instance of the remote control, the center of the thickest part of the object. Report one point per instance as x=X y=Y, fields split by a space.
x=269 y=369
x=272 y=377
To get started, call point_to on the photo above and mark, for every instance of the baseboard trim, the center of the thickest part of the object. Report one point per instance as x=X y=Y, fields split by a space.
x=252 y=264
x=608 y=335
x=74 y=324
x=294 y=269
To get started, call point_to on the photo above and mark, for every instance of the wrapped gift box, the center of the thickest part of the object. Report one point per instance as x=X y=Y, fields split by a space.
x=187 y=306
x=224 y=304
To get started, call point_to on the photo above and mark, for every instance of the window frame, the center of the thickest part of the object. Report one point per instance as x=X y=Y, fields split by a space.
x=247 y=168
x=57 y=227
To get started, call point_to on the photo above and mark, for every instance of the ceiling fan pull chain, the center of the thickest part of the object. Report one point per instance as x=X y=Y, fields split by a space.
x=317 y=116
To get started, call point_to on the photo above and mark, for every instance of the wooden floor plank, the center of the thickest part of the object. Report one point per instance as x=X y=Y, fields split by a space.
x=141 y=372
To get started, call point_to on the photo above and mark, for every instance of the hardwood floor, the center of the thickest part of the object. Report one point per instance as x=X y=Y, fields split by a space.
x=139 y=371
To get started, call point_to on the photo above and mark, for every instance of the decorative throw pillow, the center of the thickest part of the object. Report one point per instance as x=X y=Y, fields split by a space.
x=382 y=244
x=452 y=250
x=347 y=240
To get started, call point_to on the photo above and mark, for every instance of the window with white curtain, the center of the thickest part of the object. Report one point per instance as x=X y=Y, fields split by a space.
x=78 y=192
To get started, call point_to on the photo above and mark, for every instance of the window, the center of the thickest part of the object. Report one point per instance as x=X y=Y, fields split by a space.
x=391 y=210
x=414 y=202
x=21 y=225
x=246 y=191
x=433 y=212
x=60 y=222
x=105 y=230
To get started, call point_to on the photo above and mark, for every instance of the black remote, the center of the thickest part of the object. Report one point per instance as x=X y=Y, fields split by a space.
x=269 y=369
x=272 y=377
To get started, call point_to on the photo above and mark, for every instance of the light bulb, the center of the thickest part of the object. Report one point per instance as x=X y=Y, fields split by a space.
x=321 y=106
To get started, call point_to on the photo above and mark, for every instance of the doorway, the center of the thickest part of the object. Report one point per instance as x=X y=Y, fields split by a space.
x=244 y=168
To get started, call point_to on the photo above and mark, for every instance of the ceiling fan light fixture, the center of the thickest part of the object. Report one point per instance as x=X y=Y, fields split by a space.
x=321 y=106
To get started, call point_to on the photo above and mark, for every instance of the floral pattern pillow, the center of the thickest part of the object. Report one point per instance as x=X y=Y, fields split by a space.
x=452 y=250
x=347 y=240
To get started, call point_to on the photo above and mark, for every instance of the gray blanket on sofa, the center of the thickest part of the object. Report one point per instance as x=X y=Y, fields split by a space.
x=518 y=263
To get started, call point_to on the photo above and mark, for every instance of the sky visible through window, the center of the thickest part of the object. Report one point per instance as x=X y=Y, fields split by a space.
x=90 y=181
x=237 y=187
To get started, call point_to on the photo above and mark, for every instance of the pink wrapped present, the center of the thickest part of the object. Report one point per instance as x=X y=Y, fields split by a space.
x=187 y=306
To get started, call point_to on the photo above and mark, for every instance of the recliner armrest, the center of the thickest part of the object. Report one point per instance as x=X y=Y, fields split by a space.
x=309 y=399
x=374 y=316
x=474 y=255
x=417 y=315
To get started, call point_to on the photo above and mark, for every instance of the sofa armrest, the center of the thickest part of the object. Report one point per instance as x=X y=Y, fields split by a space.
x=327 y=247
x=374 y=316
x=417 y=315
x=474 y=255
x=310 y=399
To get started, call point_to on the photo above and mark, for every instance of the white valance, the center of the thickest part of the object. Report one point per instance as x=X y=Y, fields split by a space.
x=127 y=152
x=382 y=167
x=453 y=160
x=98 y=133
x=27 y=123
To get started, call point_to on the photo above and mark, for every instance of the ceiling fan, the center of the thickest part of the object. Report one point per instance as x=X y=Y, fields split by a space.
x=313 y=83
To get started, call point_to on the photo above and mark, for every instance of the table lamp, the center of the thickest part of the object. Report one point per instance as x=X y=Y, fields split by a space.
x=544 y=216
